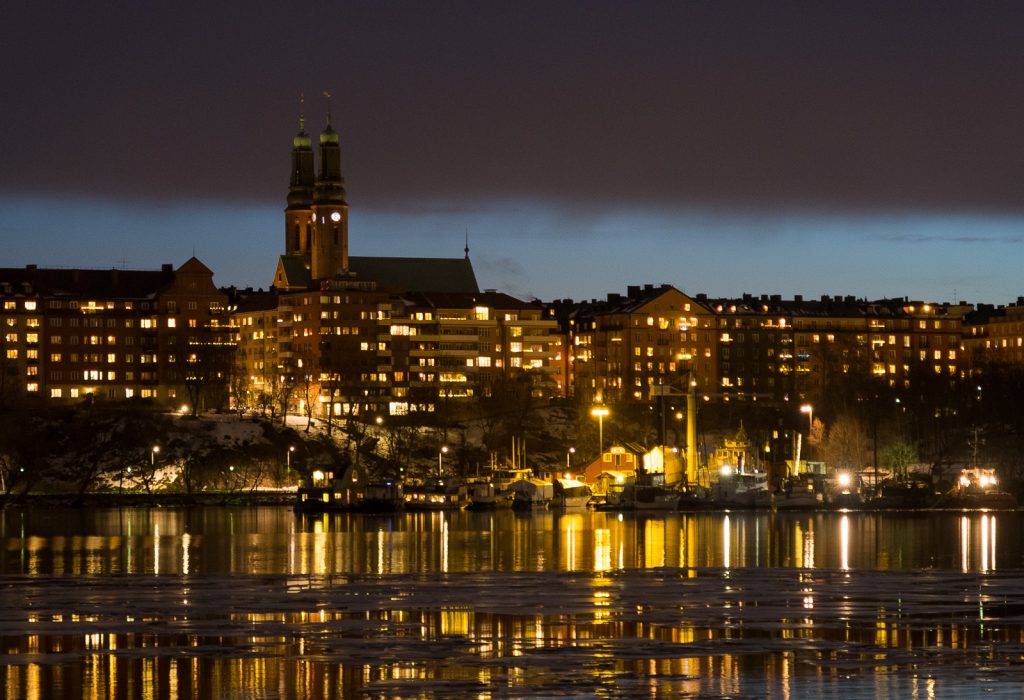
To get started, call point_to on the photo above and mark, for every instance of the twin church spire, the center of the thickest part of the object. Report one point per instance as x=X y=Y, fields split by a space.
x=316 y=218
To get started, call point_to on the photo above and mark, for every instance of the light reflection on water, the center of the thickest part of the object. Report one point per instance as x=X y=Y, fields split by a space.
x=218 y=602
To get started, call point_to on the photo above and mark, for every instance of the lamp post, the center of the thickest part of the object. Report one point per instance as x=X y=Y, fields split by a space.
x=809 y=410
x=568 y=455
x=600 y=412
x=152 y=455
x=440 y=459
x=291 y=448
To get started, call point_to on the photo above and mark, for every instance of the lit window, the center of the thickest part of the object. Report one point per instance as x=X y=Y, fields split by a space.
x=32 y=386
x=56 y=393
x=30 y=305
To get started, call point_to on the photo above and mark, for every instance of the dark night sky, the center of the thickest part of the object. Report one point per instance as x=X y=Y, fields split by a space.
x=854 y=148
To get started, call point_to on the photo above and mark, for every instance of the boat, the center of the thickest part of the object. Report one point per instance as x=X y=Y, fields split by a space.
x=437 y=494
x=531 y=494
x=977 y=488
x=323 y=492
x=740 y=489
x=798 y=493
x=382 y=497
x=843 y=491
x=493 y=491
x=641 y=497
x=570 y=494
x=902 y=494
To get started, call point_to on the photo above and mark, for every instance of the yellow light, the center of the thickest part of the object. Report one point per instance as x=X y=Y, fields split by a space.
x=964 y=481
x=318 y=475
x=599 y=411
x=726 y=470
x=844 y=479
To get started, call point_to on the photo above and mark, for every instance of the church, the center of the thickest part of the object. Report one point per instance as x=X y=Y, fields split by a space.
x=317 y=234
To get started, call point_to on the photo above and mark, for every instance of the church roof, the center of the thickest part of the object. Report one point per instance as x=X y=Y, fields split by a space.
x=417 y=274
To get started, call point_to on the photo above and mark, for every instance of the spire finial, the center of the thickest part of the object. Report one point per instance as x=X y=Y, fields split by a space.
x=302 y=111
x=327 y=94
x=467 y=243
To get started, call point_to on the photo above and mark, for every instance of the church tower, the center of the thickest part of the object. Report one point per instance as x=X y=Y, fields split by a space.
x=329 y=244
x=298 y=215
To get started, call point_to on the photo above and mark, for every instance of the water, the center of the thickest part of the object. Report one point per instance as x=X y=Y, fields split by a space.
x=261 y=603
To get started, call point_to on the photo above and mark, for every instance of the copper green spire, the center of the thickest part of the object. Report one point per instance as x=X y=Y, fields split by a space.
x=328 y=135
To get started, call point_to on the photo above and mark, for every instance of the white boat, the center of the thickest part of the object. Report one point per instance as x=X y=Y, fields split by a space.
x=531 y=494
x=570 y=494
x=741 y=489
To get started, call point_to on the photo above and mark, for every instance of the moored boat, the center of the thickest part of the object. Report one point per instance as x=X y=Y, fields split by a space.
x=436 y=494
x=570 y=494
x=741 y=489
x=531 y=494
x=382 y=497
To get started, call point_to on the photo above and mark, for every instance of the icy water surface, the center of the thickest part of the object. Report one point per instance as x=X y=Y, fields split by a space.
x=260 y=603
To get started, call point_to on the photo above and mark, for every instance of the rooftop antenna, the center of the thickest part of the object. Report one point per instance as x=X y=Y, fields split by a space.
x=467 y=243
x=302 y=112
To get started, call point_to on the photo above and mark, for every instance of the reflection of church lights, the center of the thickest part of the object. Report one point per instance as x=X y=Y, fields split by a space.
x=844 y=543
x=185 y=540
x=156 y=548
x=380 y=551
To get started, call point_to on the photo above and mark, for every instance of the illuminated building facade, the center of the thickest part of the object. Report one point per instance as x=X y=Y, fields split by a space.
x=109 y=334
x=752 y=348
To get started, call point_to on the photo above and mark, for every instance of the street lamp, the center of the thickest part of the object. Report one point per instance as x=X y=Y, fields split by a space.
x=291 y=448
x=440 y=457
x=809 y=410
x=600 y=412
x=152 y=455
x=572 y=451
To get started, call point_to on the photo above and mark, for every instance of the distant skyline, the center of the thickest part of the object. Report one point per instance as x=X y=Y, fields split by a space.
x=841 y=148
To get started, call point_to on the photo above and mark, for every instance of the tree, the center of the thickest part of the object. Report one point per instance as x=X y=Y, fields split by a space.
x=208 y=367
x=846 y=443
x=901 y=454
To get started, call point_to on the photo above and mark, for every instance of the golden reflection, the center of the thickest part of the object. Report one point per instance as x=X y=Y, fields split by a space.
x=444 y=545
x=602 y=549
x=726 y=542
x=654 y=542
x=965 y=538
x=156 y=548
x=844 y=543
x=984 y=544
x=186 y=540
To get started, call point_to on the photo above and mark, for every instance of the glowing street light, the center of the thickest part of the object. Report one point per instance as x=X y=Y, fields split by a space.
x=152 y=455
x=291 y=448
x=809 y=410
x=600 y=412
x=440 y=459
x=568 y=455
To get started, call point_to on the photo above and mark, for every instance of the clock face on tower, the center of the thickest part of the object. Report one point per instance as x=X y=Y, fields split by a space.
x=335 y=216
